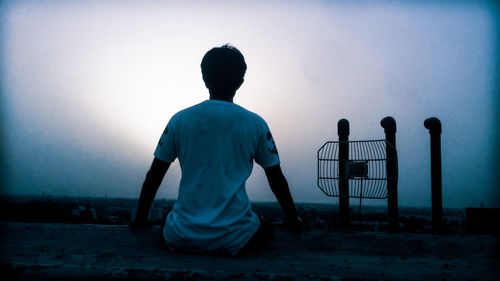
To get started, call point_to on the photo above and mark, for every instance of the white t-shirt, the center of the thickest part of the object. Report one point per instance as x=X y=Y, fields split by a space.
x=216 y=143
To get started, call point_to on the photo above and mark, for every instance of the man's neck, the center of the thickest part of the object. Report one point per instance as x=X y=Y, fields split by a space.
x=228 y=98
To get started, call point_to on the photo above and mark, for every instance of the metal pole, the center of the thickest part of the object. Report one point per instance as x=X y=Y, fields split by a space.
x=343 y=132
x=434 y=126
x=389 y=125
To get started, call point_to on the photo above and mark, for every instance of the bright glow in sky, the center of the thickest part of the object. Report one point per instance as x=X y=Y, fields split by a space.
x=88 y=87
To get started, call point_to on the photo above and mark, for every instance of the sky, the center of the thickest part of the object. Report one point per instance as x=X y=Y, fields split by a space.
x=87 y=88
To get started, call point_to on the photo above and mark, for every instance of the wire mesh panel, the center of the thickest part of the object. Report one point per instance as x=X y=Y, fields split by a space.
x=365 y=168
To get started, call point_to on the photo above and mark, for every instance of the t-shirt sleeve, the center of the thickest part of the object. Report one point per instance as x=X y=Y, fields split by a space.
x=266 y=154
x=166 y=149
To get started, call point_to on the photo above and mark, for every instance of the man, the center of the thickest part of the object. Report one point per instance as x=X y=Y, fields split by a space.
x=216 y=143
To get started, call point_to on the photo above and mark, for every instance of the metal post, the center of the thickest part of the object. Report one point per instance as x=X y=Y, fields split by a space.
x=343 y=132
x=434 y=126
x=389 y=125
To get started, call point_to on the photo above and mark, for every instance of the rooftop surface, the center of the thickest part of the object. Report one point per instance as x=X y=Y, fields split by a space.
x=40 y=251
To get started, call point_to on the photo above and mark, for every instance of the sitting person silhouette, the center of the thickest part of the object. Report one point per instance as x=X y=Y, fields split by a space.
x=216 y=143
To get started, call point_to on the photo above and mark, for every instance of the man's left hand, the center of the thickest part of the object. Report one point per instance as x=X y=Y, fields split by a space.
x=141 y=224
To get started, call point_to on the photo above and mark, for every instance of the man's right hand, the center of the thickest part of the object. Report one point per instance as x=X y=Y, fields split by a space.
x=294 y=225
x=279 y=187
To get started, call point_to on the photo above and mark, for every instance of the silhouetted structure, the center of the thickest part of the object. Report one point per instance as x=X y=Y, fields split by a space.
x=434 y=126
x=343 y=133
x=389 y=125
x=483 y=220
x=360 y=169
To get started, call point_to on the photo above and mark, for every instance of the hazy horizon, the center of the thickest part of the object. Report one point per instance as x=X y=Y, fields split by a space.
x=88 y=86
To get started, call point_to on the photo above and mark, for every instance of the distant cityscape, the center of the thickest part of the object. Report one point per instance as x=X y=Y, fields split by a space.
x=121 y=211
x=77 y=210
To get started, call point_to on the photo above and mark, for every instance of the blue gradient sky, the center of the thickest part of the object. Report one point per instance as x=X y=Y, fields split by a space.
x=88 y=86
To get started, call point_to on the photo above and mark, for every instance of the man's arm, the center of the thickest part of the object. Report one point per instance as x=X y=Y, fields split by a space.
x=279 y=186
x=151 y=184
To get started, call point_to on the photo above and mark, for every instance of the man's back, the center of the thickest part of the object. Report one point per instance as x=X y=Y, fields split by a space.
x=216 y=143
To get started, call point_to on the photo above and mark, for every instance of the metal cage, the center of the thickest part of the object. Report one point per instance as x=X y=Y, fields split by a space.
x=366 y=168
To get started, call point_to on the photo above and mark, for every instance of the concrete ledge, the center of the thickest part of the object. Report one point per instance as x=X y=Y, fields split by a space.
x=72 y=272
x=70 y=251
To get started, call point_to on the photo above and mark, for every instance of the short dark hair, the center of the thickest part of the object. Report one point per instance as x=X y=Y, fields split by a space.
x=223 y=68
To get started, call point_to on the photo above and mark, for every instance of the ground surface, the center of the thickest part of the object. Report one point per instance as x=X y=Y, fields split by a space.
x=35 y=251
